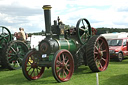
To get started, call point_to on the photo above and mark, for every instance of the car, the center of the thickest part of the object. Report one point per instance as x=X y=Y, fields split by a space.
x=118 y=48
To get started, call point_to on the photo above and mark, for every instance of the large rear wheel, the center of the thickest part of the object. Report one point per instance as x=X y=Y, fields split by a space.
x=13 y=54
x=97 y=53
x=63 y=65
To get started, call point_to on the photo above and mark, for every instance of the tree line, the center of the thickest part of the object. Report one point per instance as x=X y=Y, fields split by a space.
x=101 y=30
x=110 y=30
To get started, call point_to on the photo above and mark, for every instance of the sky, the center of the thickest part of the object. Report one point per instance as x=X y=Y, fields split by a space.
x=30 y=15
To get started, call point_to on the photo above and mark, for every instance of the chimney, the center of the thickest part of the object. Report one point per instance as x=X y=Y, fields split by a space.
x=47 y=16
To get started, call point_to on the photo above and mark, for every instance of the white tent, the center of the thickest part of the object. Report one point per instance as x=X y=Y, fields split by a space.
x=35 y=39
x=115 y=35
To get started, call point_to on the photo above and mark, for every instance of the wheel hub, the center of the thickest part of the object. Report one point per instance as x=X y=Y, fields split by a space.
x=34 y=65
x=101 y=53
x=62 y=66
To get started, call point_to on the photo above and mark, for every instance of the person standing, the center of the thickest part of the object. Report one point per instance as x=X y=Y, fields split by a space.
x=25 y=34
x=22 y=34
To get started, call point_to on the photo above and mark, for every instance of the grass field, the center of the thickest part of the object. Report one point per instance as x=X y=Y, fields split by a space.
x=116 y=74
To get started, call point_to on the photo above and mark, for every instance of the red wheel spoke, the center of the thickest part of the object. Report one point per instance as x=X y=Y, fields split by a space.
x=96 y=48
x=96 y=53
x=58 y=62
x=59 y=70
x=65 y=73
x=57 y=65
x=63 y=58
x=101 y=45
x=96 y=58
x=104 y=59
x=67 y=69
x=67 y=65
x=59 y=58
x=98 y=62
x=97 y=44
x=66 y=62
x=100 y=65
x=59 y=73
x=104 y=50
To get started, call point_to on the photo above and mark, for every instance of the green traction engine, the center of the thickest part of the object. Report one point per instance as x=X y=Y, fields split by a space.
x=11 y=51
x=65 y=50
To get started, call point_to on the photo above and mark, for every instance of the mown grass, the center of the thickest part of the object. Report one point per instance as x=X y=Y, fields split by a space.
x=116 y=74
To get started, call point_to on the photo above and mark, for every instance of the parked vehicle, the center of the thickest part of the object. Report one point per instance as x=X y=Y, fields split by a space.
x=118 y=48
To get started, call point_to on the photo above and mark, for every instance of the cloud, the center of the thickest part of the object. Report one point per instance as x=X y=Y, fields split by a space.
x=29 y=13
x=19 y=11
x=15 y=15
x=123 y=8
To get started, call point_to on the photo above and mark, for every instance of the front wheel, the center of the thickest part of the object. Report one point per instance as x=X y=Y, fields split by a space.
x=30 y=68
x=63 y=65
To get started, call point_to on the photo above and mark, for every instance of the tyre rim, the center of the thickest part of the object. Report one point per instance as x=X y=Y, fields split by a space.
x=101 y=54
x=15 y=54
x=32 y=70
x=64 y=66
x=120 y=57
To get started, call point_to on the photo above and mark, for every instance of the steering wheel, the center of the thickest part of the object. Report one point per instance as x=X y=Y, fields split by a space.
x=83 y=29
x=5 y=35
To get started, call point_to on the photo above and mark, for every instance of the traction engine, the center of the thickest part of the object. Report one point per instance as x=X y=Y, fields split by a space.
x=65 y=50
x=11 y=51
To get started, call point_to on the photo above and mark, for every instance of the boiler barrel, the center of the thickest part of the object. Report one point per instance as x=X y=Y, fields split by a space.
x=67 y=44
x=53 y=45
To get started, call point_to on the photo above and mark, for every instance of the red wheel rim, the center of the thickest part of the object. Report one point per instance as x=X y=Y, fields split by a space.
x=94 y=31
x=32 y=70
x=64 y=66
x=101 y=54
